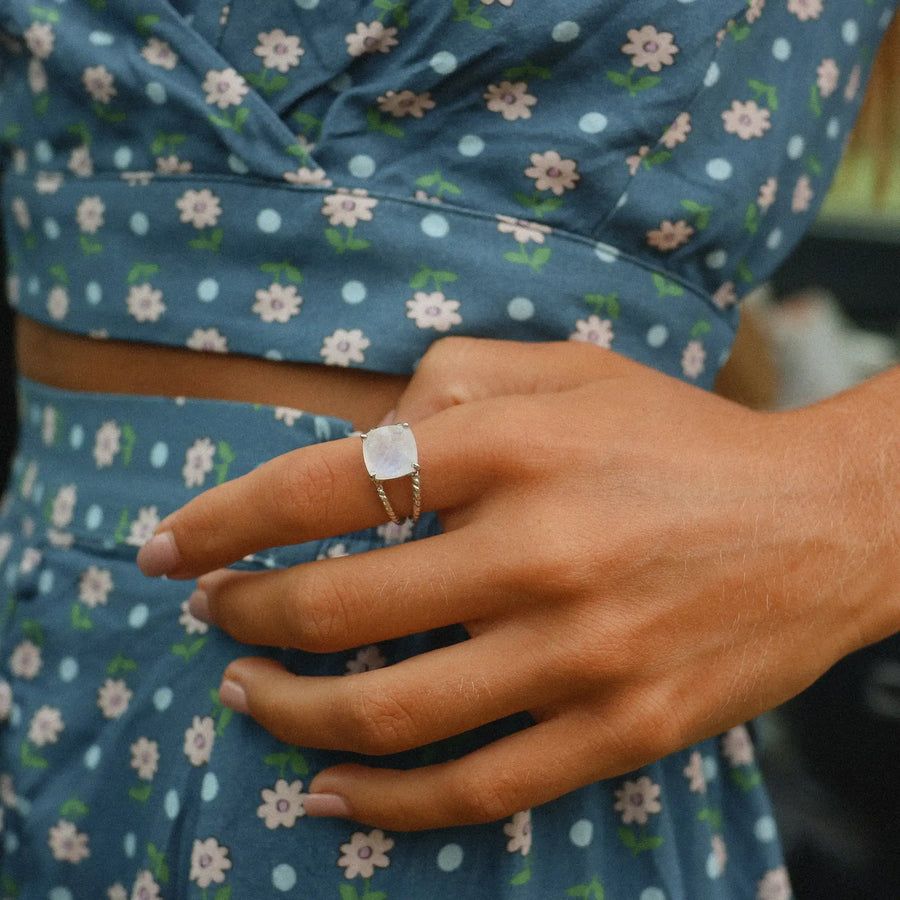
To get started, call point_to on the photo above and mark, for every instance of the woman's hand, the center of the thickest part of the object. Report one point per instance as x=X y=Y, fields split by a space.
x=639 y=564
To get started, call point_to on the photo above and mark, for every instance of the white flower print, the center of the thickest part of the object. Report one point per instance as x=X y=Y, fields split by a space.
x=58 y=302
x=26 y=660
x=349 y=207
x=145 y=302
x=145 y=887
x=8 y=794
x=278 y=50
x=638 y=800
x=99 y=83
x=94 y=586
x=6 y=698
x=21 y=213
x=373 y=38
x=287 y=414
x=198 y=462
x=37 y=77
x=335 y=551
x=282 y=805
x=344 y=347
x=851 y=88
x=143 y=526
x=13 y=289
x=392 y=533
x=775 y=885
x=802 y=195
x=224 y=88
x=5 y=544
x=137 y=179
x=518 y=830
x=805 y=9
x=719 y=856
x=172 y=165
x=113 y=698
x=48 y=425
x=190 y=623
x=31 y=559
x=433 y=310
x=106 y=444
x=80 y=162
x=45 y=727
x=39 y=39
x=364 y=853
x=48 y=182
x=63 y=506
x=209 y=339
x=366 y=659
x=199 y=739
x=305 y=175
x=277 y=303
x=737 y=746
x=694 y=773
x=145 y=758
x=116 y=892
x=89 y=214
x=28 y=479
x=67 y=843
x=725 y=295
x=827 y=75
x=199 y=208
x=209 y=862
x=159 y=53
x=693 y=359
x=593 y=330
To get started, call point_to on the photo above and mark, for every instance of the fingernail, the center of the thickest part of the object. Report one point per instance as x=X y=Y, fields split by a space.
x=232 y=695
x=159 y=555
x=326 y=806
x=388 y=419
x=198 y=604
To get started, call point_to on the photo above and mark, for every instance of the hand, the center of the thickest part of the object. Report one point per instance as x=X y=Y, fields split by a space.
x=639 y=564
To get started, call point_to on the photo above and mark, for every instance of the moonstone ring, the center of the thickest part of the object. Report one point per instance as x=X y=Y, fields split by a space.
x=390 y=452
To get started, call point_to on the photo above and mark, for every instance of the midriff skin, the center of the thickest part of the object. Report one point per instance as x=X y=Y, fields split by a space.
x=72 y=362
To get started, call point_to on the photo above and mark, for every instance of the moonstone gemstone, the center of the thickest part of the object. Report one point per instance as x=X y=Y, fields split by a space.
x=390 y=452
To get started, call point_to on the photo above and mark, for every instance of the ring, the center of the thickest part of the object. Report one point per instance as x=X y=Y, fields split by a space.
x=390 y=452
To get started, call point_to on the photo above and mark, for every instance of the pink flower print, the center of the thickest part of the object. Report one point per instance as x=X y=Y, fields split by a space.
x=366 y=659
x=145 y=302
x=80 y=162
x=552 y=173
x=277 y=303
x=106 y=444
x=593 y=330
x=5 y=545
x=159 y=53
x=725 y=295
x=433 y=310
x=199 y=739
x=58 y=303
x=32 y=557
x=67 y=844
x=518 y=830
x=39 y=39
x=145 y=886
x=304 y=175
x=6 y=698
x=805 y=9
x=651 y=48
x=405 y=103
x=349 y=207
x=827 y=76
x=282 y=805
x=199 y=208
x=754 y=10
x=26 y=660
x=99 y=83
x=852 y=87
x=209 y=339
x=522 y=231
x=137 y=179
x=373 y=38
x=510 y=99
x=89 y=214
x=63 y=506
x=45 y=727
x=746 y=120
x=94 y=586
x=48 y=182
x=13 y=289
x=802 y=196
x=693 y=771
x=767 y=193
x=172 y=165
x=145 y=758
x=8 y=795
x=143 y=526
x=737 y=746
x=209 y=862
x=364 y=853
x=678 y=131
x=224 y=88
x=670 y=235
x=693 y=359
x=21 y=213
x=278 y=50
x=637 y=800
x=198 y=462
x=719 y=854
x=775 y=885
x=113 y=698
x=190 y=623
x=37 y=77
x=344 y=347
x=116 y=892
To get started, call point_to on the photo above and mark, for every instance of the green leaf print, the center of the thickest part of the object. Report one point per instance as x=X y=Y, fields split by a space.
x=59 y=273
x=285 y=268
x=656 y=159
x=123 y=528
x=374 y=895
x=81 y=132
x=464 y=13
x=525 y=72
x=538 y=205
x=144 y=24
x=592 y=891
x=540 y=256
x=165 y=143
x=48 y=15
x=33 y=631
x=262 y=82
x=763 y=91
x=188 y=651
x=223 y=893
x=397 y=12
x=226 y=457
x=700 y=329
x=742 y=272
x=81 y=620
x=30 y=758
x=10 y=132
x=813 y=164
x=73 y=807
x=746 y=781
x=436 y=180
x=751 y=218
x=639 y=844
x=342 y=243
x=141 y=272
x=41 y=104
x=522 y=878
x=348 y=892
x=665 y=287
x=699 y=214
x=9 y=887
x=234 y=124
x=815 y=100
x=90 y=246
x=309 y=125
x=604 y=302
x=141 y=793
x=712 y=816
x=376 y=122
x=121 y=665
x=210 y=239
x=106 y=114
x=633 y=87
x=158 y=865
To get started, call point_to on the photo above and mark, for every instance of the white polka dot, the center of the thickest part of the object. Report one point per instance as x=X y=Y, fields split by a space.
x=93 y=292
x=159 y=454
x=10 y=842
x=593 y=123
x=156 y=93
x=37 y=493
x=781 y=49
x=52 y=229
x=237 y=165
x=101 y=38
x=139 y=615
x=716 y=259
x=268 y=221
x=172 y=804
x=340 y=83
x=129 y=844
x=563 y=32
x=45 y=582
x=795 y=147
x=209 y=788
x=765 y=829
x=353 y=292
x=657 y=335
x=162 y=698
x=713 y=866
x=93 y=518
x=139 y=223
x=34 y=285
x=622 y=200
x=443 y=62
x=712 y=75
x=833 y=129
x=307 y=4
x=773 y=241
x=208 y=290
x=450 y=857
x=606 y=253
x=719 y=169
x=60 y=893
x=76 y=437
x=886 y=18
x=43 y=151
x=470 y=145
x=653 y=893
x=520 y=309
x=724 y=356
x=122 y=157
x=710 y=768
x=361 y=166
x=283 y=877
x=274 y=355
x=850 y=32
x=435 y=225
x=68 y=668
x=582 y=833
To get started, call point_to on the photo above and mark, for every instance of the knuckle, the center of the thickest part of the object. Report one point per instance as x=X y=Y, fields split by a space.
x=302 y=488
x=378 y=723
x=481 y=797
x=321 y=615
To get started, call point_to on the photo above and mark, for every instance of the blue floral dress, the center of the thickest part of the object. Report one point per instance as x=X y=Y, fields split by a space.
x=343 y=183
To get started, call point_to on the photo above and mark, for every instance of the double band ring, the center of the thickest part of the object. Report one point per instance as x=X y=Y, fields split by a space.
x=390 y=452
